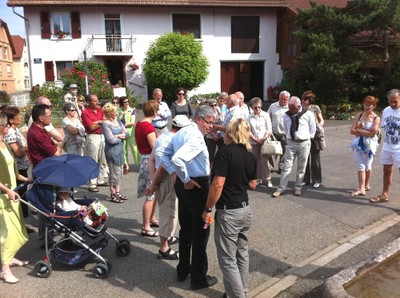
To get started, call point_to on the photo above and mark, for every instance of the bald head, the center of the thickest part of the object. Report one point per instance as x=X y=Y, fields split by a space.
x=240 y=95
x=233 y=100
x=42 y=100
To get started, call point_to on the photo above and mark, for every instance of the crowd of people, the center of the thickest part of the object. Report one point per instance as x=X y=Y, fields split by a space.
x=207 y=160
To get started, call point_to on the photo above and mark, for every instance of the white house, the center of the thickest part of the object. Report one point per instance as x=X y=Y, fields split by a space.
x=238 y=36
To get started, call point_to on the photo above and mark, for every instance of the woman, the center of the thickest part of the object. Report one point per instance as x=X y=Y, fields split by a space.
x=74 y=132
x=12 y=228
x=181 y=106
x=313 y=170
x=17 y=143
x=81 y=106
x=234 y=171
x=214 y=138
x=365 y=126
x=222 y=104
x=114 y=134
x=127 y=116
x=261 y=130
x=145 y=135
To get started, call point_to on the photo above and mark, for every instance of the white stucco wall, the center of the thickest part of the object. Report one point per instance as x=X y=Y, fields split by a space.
x=146 y=25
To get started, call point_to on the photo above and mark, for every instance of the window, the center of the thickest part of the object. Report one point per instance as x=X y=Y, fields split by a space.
x=1 y=70
x=60 y=25
x=5 y=53
x=61 y=66
x=186 y=24
x=9 y=70
x=245 y=32
x=291 y=45
x=1 y=52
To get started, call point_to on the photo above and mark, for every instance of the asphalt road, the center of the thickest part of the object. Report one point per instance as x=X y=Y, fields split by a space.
x=286 y=232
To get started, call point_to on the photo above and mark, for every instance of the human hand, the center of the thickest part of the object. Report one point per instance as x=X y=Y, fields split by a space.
x=191 y=184
x=13 y=196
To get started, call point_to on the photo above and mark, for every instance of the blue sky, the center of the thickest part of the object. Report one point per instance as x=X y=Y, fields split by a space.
x=15 y=23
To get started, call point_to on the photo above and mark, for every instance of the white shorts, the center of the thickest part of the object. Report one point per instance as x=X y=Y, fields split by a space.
x=390 y=158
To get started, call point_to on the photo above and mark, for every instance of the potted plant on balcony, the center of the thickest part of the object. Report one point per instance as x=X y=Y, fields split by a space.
x=60 y=34
x=133 y=66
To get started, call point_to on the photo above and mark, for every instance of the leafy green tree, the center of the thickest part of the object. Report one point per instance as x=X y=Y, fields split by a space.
x=175 y=60
x=52 y=92
x=4 y=98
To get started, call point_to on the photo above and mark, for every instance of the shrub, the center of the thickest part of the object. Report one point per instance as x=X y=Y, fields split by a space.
x=4 y=98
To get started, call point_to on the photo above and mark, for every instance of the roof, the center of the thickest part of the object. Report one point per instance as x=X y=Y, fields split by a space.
x=204 y=3
x=303 y=4
x=4 y=24
x=19 y=44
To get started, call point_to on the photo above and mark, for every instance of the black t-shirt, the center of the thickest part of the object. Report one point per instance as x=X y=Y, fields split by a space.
x=238 y=166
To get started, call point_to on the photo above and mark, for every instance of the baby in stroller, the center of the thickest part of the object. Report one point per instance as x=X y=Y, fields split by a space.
x=93 y=215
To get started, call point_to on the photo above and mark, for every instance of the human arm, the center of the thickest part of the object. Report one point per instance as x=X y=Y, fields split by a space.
x=164 y=111
x=133 y=119
x=252 y=184
x=18 y=150
x=151 y=138
x=214 y=194
x=89 y=124
x=173 y=110
x=12 y=195
x=354 y=126
x=320 y=118
x=190 y=109
x=152 y=165
x=54 y=133
x=372 y=132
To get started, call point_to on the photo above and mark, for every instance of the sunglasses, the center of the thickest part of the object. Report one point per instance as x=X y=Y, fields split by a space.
x=213 y=105
x=181 y=94
x=72 y=110
x=80 y=100
x=257 y=108
x=126 y=101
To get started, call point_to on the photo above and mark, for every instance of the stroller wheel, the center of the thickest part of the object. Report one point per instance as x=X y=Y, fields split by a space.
x=101 y=270
x=42 y=269
x=123 y=248
x=109 y=266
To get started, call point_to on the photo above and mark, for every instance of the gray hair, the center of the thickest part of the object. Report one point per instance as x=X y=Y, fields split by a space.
x=67 y=106
x=234 y=99
x=203 y=111
x=156 y=90
x=393 y=92
x=254 y=101
x=284 y=92
x=294 y=100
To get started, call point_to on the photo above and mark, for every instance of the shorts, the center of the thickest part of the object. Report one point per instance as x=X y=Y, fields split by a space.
x=390 y=158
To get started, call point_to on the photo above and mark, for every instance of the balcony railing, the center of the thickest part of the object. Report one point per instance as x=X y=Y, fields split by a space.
x=110 y=45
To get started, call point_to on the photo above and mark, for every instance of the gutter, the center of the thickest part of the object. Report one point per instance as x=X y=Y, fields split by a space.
x=27 y=44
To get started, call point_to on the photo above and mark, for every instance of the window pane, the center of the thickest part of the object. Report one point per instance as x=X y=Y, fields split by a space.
x=186 y=24
x=66 y=25
x=56 y=23
x=61 y=66
x=245 y=32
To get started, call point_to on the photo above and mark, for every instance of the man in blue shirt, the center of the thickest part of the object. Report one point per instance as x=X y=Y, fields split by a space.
x=163 y=113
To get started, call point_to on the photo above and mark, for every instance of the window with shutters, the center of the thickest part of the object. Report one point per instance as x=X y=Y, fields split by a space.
x=60 y=25
x=186 y=23
x=61 y=66
x=245 y=34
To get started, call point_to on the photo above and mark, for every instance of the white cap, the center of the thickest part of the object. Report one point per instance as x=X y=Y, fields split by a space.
x=181 y=121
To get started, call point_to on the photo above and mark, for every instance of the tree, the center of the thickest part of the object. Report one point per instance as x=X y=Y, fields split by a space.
x=175 y=60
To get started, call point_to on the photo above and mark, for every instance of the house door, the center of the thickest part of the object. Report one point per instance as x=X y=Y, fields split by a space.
x=113 y=32
x=115 y=68
x=247 y=77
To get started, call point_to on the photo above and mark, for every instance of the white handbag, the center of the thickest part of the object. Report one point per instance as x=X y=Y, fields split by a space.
x=272 y=147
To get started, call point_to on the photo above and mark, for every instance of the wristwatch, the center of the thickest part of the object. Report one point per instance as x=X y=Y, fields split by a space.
x=208 y=210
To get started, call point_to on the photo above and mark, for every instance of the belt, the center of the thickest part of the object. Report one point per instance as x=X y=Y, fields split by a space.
x=162 y=127
x=232 y=205
x=299 y=141
x=201 y=179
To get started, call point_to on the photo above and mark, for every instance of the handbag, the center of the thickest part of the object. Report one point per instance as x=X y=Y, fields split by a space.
x=272 y=147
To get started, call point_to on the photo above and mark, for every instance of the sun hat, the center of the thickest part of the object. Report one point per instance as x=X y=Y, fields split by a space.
x=181 y=121
x=73 y=86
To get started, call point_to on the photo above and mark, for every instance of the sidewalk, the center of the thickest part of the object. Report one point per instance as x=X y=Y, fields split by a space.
x=295 y=242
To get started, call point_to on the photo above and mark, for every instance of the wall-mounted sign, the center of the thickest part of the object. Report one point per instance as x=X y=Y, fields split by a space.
x=37 y=60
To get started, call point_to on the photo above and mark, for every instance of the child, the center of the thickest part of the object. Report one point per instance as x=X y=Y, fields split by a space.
x=93 y=215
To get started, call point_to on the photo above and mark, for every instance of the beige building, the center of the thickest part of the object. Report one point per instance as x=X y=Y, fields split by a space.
x=21 y=67
x=7 y=50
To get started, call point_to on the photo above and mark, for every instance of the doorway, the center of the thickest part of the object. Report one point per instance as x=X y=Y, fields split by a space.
x=115 y=69
x=247 y=77
x=113 y=32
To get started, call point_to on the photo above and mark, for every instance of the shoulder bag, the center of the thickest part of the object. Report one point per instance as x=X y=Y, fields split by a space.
x=272 y=147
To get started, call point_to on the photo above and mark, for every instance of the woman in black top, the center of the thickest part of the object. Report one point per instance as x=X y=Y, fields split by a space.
x=181 y=106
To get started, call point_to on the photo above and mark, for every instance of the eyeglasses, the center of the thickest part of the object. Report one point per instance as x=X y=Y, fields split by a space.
x=305 y=99
x=256 y=108
x=213 y=105
x=181 y=94
x=207 y=122
x=80 y=100
x=115 y=102
x=126 y=101
x=72 y=110
x=47 y=116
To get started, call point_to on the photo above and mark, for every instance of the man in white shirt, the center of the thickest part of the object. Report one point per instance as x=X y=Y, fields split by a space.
x=300 y=127
x=243 y=107
x=160 y=121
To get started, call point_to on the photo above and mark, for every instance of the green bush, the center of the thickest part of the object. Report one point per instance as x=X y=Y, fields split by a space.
x=4 y=98
x=52 y=92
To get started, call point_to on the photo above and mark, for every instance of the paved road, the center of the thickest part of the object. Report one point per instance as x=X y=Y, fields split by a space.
x=289 y=239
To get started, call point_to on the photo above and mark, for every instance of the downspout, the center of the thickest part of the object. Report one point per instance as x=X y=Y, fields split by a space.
x=27 y=45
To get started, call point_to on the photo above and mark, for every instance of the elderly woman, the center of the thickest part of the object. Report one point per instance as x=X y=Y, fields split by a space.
x=145 y=135
x=261 y=130
x=214 y=138
x=74 y=132
x=365 y=126
x=181 y=106
x=234 y=171
x=12 y=228
x=127 y=116
x=114 y=134
x=313 y=168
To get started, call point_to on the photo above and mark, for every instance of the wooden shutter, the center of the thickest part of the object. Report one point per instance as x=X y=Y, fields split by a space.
x=76 y=24
x=245 y=34
x=45 y=24
x=49 y=71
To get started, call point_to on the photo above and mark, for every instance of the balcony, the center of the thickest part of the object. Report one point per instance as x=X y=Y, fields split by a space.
x=110 y=45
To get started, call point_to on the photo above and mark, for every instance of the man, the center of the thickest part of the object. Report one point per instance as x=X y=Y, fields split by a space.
x=299 y=125
x=163 y=113
x=276 y=112
x=92 y=119
x=244 y=108
x=165 y=195
x=190 y=162
x=390 y=155
x=72 y=95
x=234 y=112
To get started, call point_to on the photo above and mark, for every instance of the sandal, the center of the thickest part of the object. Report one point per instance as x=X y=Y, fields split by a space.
x=8 y=277
x=379 y=199
x=17 y=263
x=121 y=196
x=173 y=240
x=93 y=189
x=154 y=224
x=358 y=192
x=150 y=233
x=168 y=255
x=115 y=199
x=367 y=188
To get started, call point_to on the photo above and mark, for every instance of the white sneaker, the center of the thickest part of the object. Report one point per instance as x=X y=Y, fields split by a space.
x=316 y=185
x=303 y=183
x=269 y=184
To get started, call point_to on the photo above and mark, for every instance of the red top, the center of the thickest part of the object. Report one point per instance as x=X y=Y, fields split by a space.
x=89 y=116
x=142 y=129
x=40 y=144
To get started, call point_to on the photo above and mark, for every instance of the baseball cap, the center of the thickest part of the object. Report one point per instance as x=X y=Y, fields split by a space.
x=181 y=121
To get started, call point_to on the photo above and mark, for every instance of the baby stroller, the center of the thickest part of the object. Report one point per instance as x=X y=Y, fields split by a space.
x=75 y=241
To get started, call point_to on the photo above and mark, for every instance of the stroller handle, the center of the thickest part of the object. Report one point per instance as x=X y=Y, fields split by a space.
x=22 y=185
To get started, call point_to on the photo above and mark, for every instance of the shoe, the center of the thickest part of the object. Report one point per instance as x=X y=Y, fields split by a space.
x=367 y=188
x=208 y=282
x=8 y=277
x=380 y=199
x=316 y=185
x=168 y=255
x=297 y=192
x=182 y=277
x=93 y=189
x=358 y=192
x=303 y=183
x=115 y=199
x=121 y=196
x=17 y=263
x=269 y=184
x=30 y=230
x=173 y=240
x=155 y=224
x=103 y=184
x=150 y=233
x=276 y=194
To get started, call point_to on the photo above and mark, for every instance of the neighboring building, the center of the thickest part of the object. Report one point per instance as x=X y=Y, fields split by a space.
x=21 y=66
x=7 y=50
x=238 y=38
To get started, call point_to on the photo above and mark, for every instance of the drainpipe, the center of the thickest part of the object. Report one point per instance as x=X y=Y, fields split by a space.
x=27 y=45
